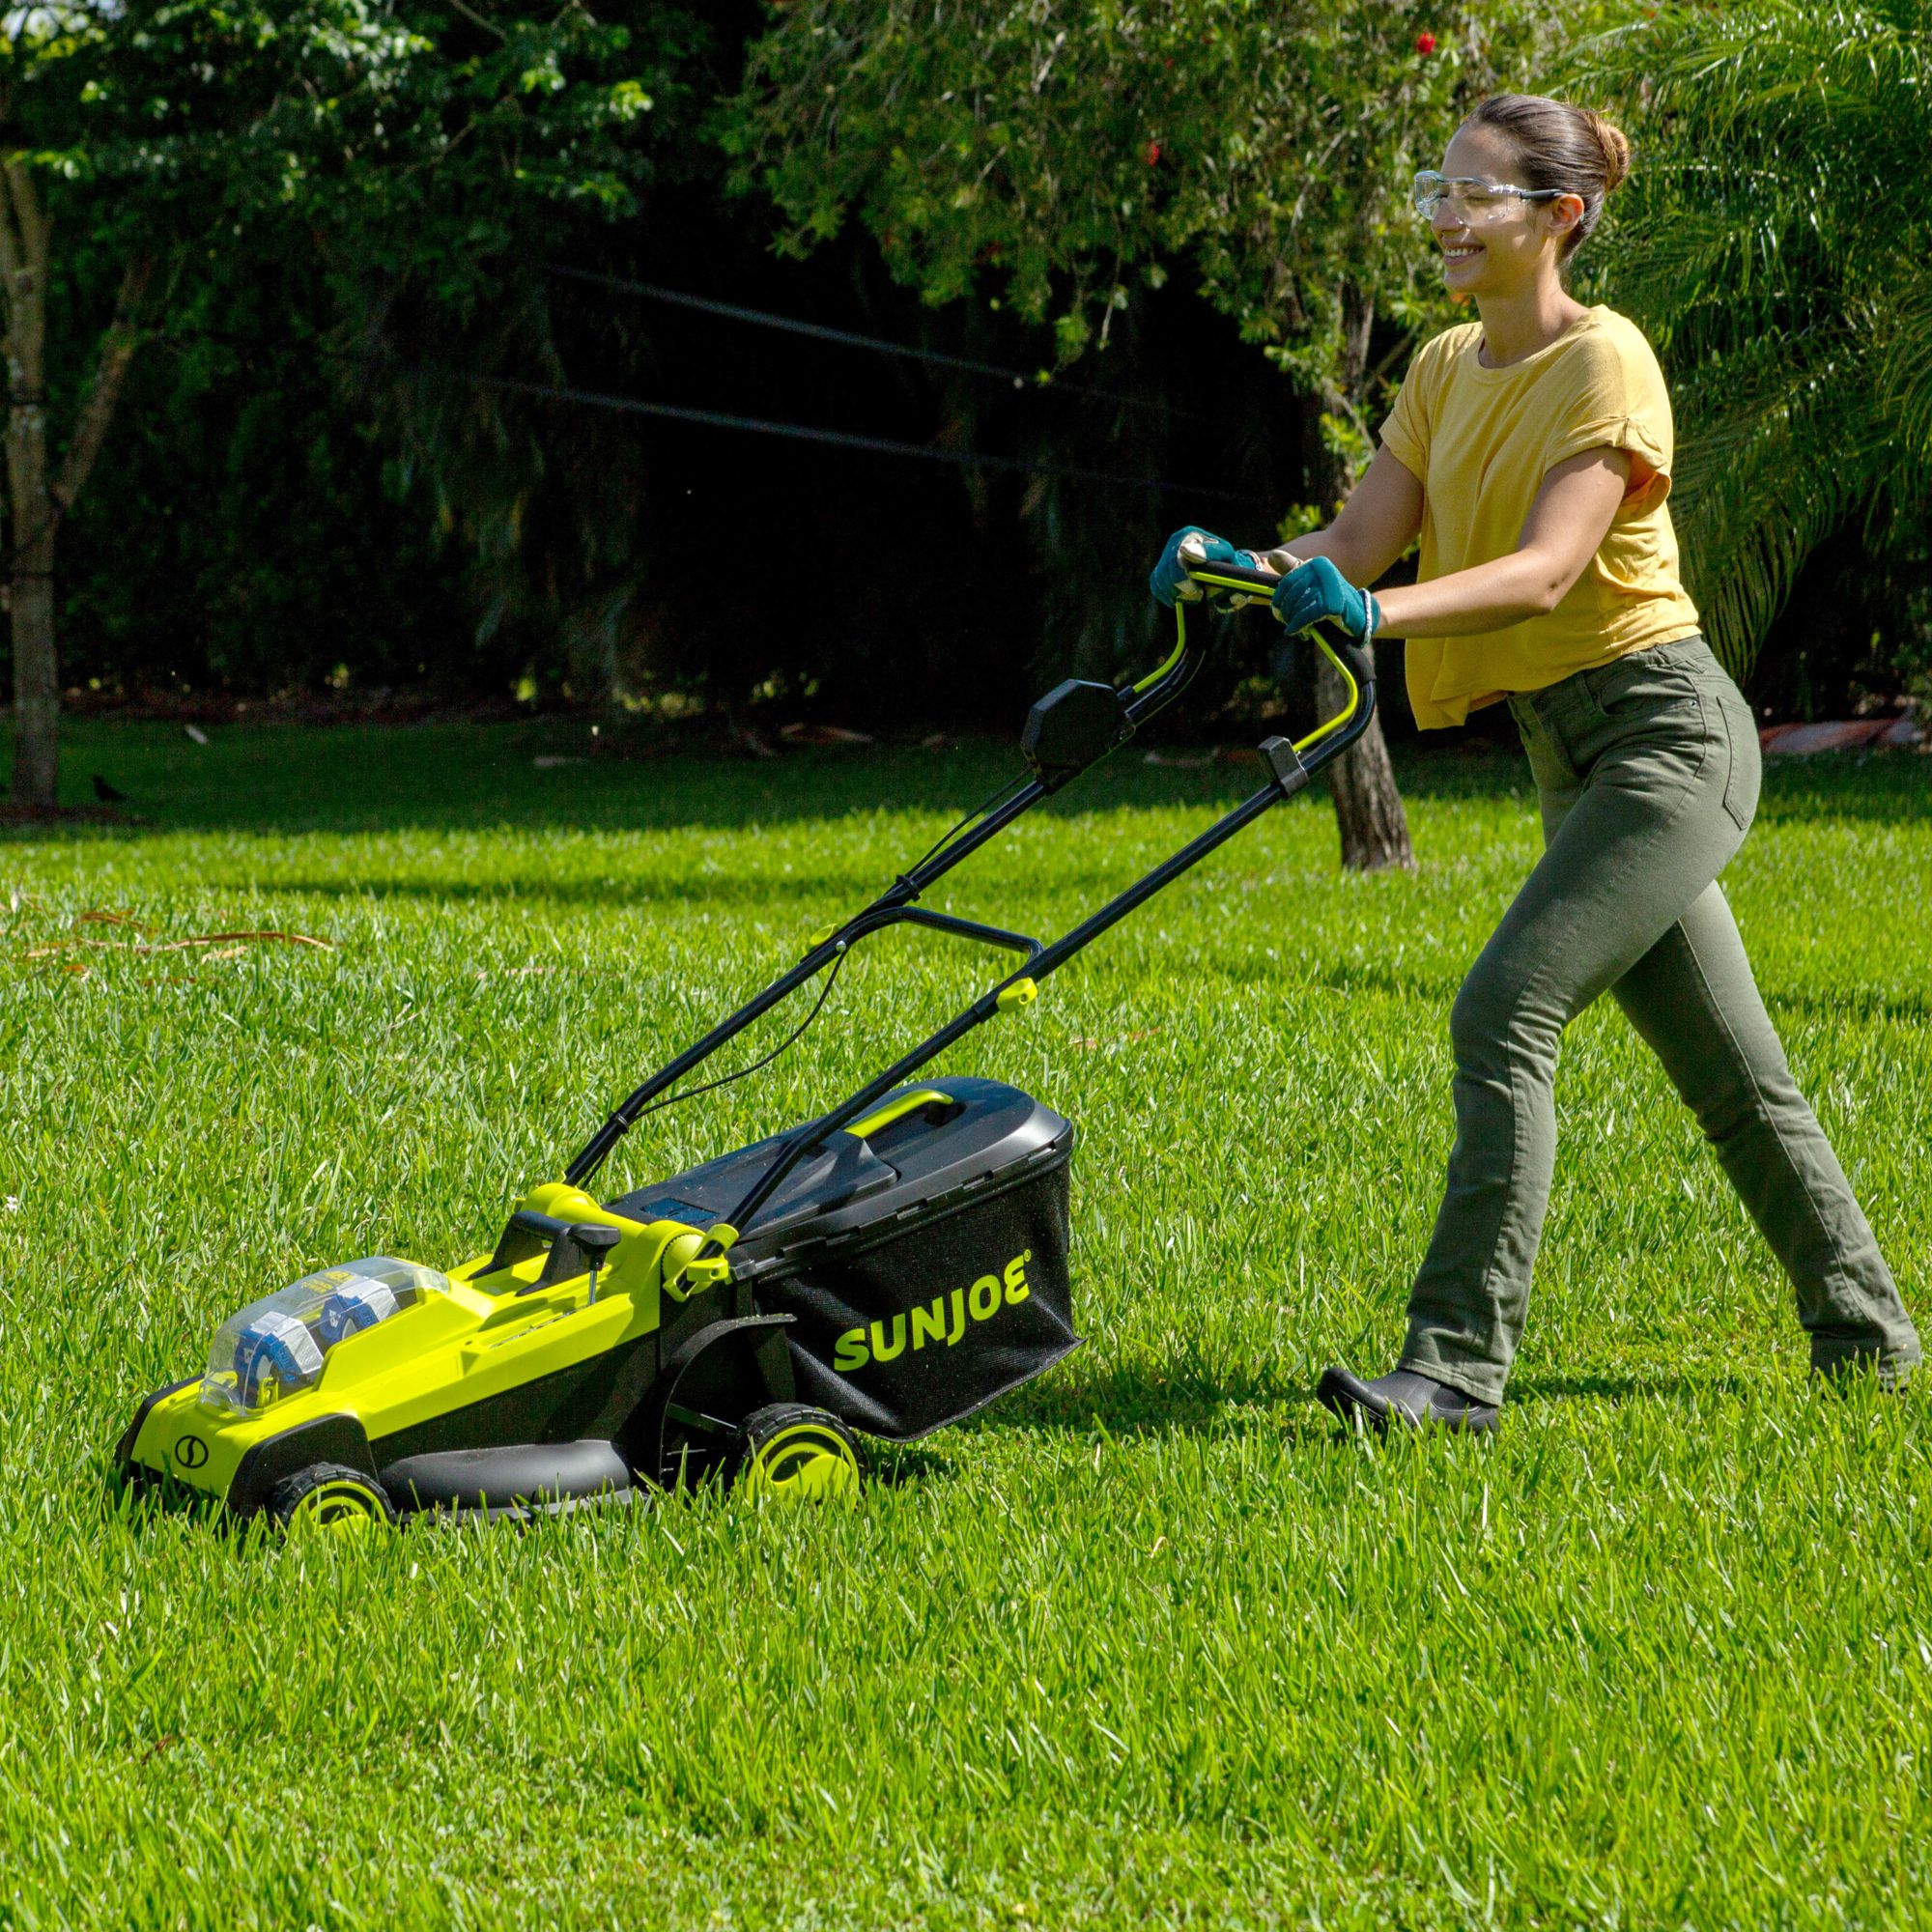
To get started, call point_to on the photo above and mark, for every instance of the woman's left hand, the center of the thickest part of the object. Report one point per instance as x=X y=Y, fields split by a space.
x=1315 y=591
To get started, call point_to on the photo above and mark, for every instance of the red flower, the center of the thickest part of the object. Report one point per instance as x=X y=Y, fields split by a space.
x=1425 y=43
x=1150 y=154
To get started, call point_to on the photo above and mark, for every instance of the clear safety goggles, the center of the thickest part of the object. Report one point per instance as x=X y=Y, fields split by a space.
x=1472 y=201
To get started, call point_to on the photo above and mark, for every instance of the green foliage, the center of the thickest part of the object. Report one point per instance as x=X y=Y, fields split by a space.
x=1060 y=153
x=1775 y=244
x=1145 y=1646
x=404 y=132
x=374 y=186
x=251 y=532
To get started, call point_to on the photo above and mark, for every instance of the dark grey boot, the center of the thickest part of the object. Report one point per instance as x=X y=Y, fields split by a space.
x=1403 y=1399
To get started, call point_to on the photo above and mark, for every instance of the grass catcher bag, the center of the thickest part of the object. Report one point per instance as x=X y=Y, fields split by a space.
x=922 y=1254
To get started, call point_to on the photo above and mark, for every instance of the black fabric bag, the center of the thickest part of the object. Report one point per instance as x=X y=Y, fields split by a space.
x=928 y=1320
x=923 y=1258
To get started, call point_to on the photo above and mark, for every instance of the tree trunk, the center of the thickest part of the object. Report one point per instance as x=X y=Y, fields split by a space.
x=38 y=506
x=35 y=670
x=23 y=260
x=1368 y=806
x=110 y=374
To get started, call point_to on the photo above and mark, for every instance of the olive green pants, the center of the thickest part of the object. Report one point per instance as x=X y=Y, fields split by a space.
x=1648 y=773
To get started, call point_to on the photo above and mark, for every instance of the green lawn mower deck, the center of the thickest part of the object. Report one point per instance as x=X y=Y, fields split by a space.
x=573 y=1366
x=885 y=1268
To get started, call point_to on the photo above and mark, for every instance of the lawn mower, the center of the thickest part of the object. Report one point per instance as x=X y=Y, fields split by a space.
x=882 y=1269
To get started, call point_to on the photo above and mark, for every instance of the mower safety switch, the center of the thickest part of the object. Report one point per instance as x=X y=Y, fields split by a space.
x=1072 y=726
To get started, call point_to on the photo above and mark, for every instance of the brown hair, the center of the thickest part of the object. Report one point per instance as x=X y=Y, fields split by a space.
x=1559 y=146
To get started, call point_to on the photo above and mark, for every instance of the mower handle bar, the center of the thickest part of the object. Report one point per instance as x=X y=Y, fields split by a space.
x=1138 y=702
x=949 y=923
x=1225 y=576
x=1289 y=773
x=1346 y=653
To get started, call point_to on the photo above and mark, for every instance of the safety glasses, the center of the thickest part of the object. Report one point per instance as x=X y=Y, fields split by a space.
x=1471 y=201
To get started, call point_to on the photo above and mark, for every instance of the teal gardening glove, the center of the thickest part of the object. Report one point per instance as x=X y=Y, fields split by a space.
x=1169 y=576
x=1316 y=592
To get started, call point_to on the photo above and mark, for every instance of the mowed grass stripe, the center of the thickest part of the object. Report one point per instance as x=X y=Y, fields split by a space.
x=1142 y=1645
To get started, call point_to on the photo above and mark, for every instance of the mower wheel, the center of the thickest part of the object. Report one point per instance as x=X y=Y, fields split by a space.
x=330 y=1496
x=797 y=1453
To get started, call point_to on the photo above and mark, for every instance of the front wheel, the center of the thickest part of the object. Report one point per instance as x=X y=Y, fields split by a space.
x=330 y=1496
x=796 y=1453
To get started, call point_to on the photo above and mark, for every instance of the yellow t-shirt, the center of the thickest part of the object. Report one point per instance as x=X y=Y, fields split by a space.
x=1481 y=441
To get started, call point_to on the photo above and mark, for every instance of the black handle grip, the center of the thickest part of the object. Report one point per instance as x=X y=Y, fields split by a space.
x=547 y=1224
x=590 y=1238
x=1351 y=651
x=1356 y=656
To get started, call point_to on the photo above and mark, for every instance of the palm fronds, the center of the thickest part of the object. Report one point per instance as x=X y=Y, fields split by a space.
x=1776 y=243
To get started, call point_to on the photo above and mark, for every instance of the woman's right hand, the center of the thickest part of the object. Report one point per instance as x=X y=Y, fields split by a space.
x=1188 y=547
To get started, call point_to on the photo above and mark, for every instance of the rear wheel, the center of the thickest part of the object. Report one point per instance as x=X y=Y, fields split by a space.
x=797 y=1453
x=330 y=1496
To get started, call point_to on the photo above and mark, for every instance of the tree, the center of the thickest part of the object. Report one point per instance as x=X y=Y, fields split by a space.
x=396 y=141
x=1066 y=153
x=1777 y=245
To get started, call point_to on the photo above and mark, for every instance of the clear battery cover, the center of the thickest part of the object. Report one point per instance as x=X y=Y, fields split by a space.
x=277 y=1347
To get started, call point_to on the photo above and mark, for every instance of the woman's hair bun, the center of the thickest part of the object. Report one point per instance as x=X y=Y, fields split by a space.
x=1562 y=146
x=1616 y=149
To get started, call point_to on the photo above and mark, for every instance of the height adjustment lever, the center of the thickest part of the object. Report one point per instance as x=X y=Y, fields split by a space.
x=594 y=1244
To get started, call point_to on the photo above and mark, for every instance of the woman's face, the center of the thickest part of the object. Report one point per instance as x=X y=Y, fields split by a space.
x=1497 y=250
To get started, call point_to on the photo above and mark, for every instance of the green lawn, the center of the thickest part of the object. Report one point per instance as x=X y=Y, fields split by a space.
x=1144 y=1644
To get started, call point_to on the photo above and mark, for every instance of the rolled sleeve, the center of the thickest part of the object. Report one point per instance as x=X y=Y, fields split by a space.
x=1649 y=453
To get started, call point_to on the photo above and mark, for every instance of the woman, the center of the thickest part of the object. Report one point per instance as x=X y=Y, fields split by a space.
x=1531 y=452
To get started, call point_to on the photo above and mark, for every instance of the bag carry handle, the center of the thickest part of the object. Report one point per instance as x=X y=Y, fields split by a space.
x=898 y=1110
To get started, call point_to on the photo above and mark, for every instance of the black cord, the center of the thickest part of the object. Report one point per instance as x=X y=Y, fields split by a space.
x=992 y=800
x=964 y=459
x=725 y=1080
x=1047 y=385
x=990 y=803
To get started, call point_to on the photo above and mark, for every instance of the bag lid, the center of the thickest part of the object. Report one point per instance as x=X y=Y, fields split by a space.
x=921 y=1160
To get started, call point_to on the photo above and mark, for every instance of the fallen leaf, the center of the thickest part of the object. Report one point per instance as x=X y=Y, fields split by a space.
x=91 y=945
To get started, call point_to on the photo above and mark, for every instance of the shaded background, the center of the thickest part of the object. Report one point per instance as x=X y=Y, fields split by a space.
x=352 y=515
